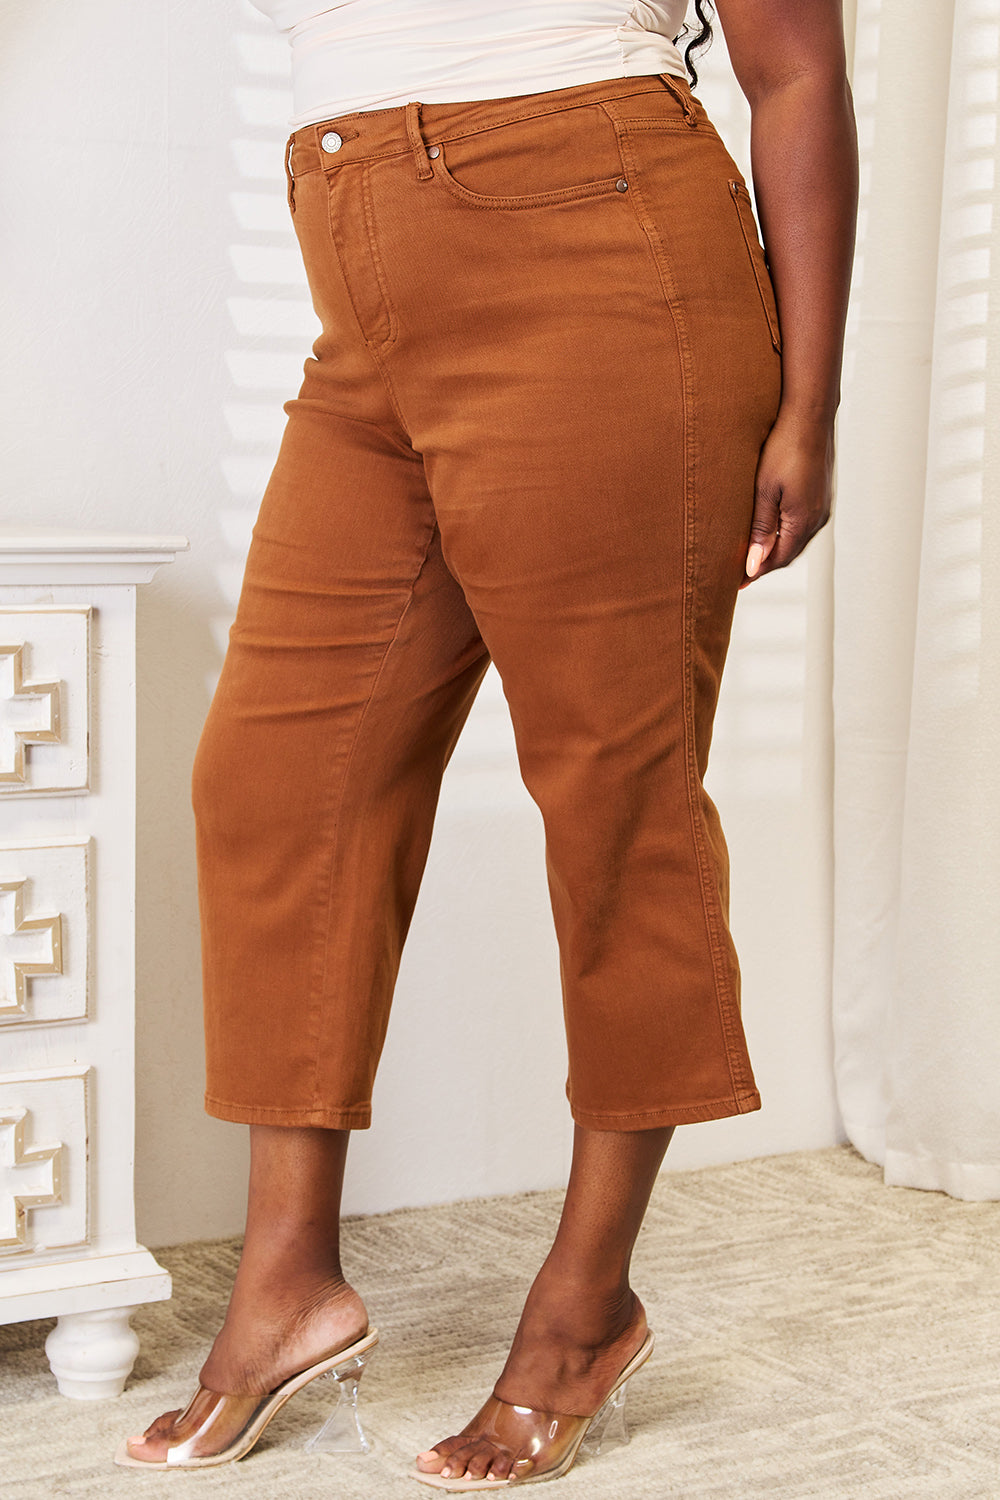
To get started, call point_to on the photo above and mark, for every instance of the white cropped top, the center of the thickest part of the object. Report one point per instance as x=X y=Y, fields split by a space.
x=374 y=54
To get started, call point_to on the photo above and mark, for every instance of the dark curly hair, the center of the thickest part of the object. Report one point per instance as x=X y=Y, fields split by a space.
x=700 y=39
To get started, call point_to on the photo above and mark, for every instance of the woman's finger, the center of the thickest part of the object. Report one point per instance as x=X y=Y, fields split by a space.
x=765 y=528
x=793 y=495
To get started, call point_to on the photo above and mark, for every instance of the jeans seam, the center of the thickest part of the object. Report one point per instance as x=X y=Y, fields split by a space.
x=371 y=346
x=321 y=973
x=692 y=780
x=704 y=1107
x=390 y=312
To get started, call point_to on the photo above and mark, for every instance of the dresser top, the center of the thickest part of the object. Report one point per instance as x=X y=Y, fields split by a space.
x=52 y=555
x=15 y=540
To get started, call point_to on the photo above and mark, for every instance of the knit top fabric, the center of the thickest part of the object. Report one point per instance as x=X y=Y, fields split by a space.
x=377 y=54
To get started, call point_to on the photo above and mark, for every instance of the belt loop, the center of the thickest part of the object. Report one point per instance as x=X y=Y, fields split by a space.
x=424 y=168
x=683 y=99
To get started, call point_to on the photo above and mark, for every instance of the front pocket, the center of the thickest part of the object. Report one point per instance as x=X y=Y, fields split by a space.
x=557 y=157
x=530 y=200
x=748 y=224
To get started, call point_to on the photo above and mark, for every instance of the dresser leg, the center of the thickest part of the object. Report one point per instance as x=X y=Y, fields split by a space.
x=92 y=1353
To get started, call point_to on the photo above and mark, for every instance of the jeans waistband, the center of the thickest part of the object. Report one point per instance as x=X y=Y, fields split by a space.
x=369 y=134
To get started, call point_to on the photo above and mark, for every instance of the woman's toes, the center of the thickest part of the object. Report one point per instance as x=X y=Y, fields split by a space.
x=153 y=1443
x=454 y=1463
x=480 y=1461
x=151 y=1447
x=472 y=1459
x=461 y=1457
x=501 y=1466
x=430 y=1462
x=150 y=1450
x=434 y=1460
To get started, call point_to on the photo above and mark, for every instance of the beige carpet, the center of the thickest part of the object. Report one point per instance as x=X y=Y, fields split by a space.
x=818 y=1335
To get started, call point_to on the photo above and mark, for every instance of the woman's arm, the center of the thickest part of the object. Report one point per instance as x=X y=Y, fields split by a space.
x=788 y=56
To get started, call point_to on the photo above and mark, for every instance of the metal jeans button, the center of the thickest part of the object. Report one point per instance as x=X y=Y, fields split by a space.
x=434 y=151
x=332 y=141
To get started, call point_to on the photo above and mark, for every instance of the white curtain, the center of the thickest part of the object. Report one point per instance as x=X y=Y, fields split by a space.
x=917 y=606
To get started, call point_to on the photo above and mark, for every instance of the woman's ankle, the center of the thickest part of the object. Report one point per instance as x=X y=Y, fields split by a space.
x=264 y=1340
x=559 y=1314
x=564 y=1281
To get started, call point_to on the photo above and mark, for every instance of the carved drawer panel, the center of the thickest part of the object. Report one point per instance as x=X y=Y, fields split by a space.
x=44 y=931
x=43 y=1160
x=44 y=692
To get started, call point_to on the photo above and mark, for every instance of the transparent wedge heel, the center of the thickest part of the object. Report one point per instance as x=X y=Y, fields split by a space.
x=342 y=1431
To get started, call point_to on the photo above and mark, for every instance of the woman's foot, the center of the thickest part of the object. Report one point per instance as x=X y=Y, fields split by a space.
x=265 y=1340
x=290 y=1304
x=581 y=1325
x=571 y=1344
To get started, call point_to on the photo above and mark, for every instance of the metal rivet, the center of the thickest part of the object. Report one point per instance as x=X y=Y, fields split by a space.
x=622 y=185
x=434 y=152
x=332 y=141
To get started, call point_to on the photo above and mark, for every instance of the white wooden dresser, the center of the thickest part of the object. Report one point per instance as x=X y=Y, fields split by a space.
x=67 y=947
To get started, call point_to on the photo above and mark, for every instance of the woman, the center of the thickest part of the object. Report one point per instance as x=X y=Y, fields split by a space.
x=550 y=422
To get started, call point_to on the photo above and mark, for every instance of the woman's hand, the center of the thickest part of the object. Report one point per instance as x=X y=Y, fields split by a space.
x=793 y=491
x=789 y=58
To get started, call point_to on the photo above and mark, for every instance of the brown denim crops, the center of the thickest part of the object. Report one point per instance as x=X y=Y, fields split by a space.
x=529 y=435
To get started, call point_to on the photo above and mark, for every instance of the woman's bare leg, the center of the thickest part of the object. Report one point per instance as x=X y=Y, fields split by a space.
x=290 y=1303
x=582 y=1322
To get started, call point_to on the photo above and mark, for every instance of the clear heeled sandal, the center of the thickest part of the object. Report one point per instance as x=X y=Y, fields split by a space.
x=548 y=1442
x=217 y=1429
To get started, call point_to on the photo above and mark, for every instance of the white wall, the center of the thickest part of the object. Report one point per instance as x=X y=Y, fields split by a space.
x=156 y=320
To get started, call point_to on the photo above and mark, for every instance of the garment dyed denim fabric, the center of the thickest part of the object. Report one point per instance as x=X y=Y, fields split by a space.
x=528 y=433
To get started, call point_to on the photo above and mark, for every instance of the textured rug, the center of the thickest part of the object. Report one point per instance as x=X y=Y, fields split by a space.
x=819 y=1334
